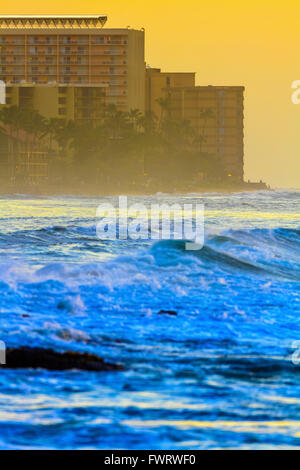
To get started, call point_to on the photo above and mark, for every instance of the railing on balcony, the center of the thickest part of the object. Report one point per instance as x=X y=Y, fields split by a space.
x=3 y=60
x=70 y=72
x=106 y=72
x=110 y=53
x=103 y=40
x=10 y=41
x=11 y=72
x=45 y=42
x=42 y=73
x=9 y=52
x=79 y=61
x=117 y=93
x=39 y=62
x=74 y=41
x=70 y=52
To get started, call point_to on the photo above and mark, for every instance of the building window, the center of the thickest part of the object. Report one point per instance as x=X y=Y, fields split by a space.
x=62 y=111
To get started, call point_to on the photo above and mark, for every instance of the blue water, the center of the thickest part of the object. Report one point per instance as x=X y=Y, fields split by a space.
x=218 y=375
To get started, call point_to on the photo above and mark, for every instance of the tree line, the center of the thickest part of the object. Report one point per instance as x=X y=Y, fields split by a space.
x=120 y=149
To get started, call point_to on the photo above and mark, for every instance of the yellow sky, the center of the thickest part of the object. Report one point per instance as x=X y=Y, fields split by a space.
x=227 y=42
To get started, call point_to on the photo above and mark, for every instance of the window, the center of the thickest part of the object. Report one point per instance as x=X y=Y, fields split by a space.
x=62 y=111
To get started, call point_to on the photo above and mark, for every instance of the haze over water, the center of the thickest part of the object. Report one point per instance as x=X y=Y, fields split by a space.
x=217 y=375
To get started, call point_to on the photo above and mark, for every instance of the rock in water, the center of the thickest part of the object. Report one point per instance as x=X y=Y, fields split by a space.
x=168 y=312
x=39 y=358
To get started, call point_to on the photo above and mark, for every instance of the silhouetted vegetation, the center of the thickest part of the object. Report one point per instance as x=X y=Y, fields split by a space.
x=122 y=151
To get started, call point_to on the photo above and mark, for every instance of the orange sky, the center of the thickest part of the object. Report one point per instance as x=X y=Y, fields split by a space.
x=252 y=43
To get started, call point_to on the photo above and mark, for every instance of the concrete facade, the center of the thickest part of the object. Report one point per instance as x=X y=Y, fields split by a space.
x=216 y=113
x=157 y=81
x=76 y=53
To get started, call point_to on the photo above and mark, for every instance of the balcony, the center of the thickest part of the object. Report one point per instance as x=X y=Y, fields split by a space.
x=43 y=42
x=41 y=53
x=84 y=52
x=109 y=41
x=74 y=42
x=41 y=62
x=99 y=73
x=117 y=93
x=73 y=82
x=116 y=53
x=10 y=73
x=10 y=52
x=42 y=73
x=3 y=60
x=72 y=74
x=11 y=42
x=78 y=61
x=110 y=63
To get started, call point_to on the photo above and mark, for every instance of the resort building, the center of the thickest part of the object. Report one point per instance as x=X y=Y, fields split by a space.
x=217 y=115
x=74 y=52
x=157 y=81
x=75 y=102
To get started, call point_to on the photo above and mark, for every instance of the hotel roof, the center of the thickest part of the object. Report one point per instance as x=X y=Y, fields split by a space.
x=52 y=21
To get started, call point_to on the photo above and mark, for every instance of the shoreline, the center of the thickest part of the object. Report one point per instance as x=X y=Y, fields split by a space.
x=85 y=192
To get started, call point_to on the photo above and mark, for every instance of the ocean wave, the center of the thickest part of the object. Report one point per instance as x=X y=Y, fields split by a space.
x=258 y=251
x=270 y=253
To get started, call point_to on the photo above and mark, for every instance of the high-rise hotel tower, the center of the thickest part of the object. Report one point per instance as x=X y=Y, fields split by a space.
x=59 y=64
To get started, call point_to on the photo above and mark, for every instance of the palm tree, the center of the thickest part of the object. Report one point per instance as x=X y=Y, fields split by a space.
x=12 y=119
x=134 y=116
x=199 y=140
x=35 y=126
x=62 y=131
x=52 y=126
x=148 y=122
x=164 y=104
x=115 y=121
x=205 y=114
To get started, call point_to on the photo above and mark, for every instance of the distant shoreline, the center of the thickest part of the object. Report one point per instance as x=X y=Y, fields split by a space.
x=85 y=192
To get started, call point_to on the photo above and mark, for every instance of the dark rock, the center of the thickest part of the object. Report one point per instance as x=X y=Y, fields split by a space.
x=39 y=358
x=59 y=229
x=168 y=312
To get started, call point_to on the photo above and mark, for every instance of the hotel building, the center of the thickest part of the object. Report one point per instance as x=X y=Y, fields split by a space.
x=59 y=64
x=157 y=81
x=221 y=129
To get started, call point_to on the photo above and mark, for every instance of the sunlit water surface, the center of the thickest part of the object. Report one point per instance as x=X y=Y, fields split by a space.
x=218 y=375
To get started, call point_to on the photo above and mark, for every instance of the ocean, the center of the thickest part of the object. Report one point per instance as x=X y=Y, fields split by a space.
x=224 y=372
